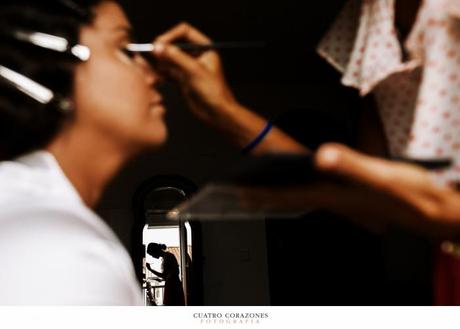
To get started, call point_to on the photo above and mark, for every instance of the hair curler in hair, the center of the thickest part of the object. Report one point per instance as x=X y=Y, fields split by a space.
x=49 y=41
x=33 y=89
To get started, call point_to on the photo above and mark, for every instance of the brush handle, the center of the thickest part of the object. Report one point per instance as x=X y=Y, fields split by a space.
x=192 y=47
x=219 y=45
x=429 y=164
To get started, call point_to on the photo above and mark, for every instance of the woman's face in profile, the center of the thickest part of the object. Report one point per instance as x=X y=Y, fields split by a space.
x=114 y=92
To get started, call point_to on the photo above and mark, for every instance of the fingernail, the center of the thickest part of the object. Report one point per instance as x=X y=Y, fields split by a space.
x=158 y=48
x=328 y=157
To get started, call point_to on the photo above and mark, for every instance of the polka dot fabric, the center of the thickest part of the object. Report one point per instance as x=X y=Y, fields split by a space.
x=418 y=99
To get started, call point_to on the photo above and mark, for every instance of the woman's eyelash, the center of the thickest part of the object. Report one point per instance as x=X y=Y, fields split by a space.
x=128 y=52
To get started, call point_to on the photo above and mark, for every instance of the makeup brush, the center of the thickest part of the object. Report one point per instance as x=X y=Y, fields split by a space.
x=197 y=48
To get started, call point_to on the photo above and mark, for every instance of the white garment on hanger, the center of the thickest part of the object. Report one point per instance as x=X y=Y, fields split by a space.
x=418 y=98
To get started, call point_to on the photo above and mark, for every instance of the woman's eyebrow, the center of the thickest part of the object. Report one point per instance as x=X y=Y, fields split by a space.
x=123 y=32
x=123 y=28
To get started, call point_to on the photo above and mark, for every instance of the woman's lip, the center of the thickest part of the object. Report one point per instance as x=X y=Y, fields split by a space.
x=157 y=101
x=158 y=109
x=157 y=104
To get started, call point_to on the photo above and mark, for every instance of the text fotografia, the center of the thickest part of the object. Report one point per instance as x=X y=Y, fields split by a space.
x=230 y=318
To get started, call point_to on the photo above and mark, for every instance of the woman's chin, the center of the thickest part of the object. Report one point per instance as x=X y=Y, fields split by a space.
x=159 y=136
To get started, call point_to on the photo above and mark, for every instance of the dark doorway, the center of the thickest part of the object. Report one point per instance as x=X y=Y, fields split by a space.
x=151 y=202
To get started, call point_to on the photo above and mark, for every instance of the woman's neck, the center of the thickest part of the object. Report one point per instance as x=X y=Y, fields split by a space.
x=88 y=160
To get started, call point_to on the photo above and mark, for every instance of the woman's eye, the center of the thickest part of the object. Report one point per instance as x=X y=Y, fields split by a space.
x=128 y=52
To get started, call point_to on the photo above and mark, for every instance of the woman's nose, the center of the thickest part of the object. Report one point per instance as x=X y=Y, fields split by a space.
x=152 y=77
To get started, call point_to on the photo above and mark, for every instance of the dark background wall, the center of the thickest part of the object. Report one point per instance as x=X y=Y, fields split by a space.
x=259 y=263
x=286 y=75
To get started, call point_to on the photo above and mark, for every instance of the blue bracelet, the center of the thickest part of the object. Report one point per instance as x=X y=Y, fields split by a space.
x=258 y=139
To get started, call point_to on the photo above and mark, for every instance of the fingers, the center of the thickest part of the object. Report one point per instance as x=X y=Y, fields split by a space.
x=183 y=31
x=339 y=159
x=187 y=64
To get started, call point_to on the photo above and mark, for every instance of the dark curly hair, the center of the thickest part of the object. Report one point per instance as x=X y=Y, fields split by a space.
x=155 y=248
x=25 y=124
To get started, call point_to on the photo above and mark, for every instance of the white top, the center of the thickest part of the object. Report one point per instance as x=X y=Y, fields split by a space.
x=418 y=98
x=53 y=249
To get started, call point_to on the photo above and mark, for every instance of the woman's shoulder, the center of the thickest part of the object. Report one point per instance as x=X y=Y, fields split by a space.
x=66 y=257
x=53 y=220
x=48 y=225
x=51 y=241
x=34 y=176
x=35 y=192
x=169 y=258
